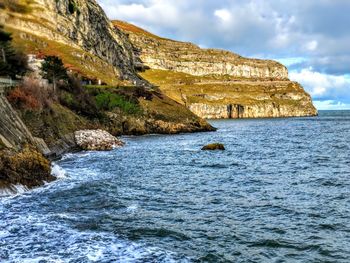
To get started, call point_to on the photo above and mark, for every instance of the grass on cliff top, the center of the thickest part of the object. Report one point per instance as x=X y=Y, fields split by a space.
x=125 y=26
x=158 y=77
x=166 y=109
x=74 y=59
x=130 y=28
x=185 y=88
x=210 y=53
x=17 y=6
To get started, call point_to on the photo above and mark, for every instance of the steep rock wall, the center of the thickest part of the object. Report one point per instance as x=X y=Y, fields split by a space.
x=86 y=31
x=166 y=54
x=13 y=132
x=216 y=83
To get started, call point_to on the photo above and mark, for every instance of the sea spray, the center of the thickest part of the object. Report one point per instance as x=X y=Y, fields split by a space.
x=13 y=190
x=58 y=171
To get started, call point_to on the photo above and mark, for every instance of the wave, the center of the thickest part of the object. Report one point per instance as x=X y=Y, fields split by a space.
x=58 y=171
x=14 y=189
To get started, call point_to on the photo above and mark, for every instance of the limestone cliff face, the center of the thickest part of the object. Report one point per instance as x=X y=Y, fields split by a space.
x=79 y=32
x=166 y=54
x=218 y=84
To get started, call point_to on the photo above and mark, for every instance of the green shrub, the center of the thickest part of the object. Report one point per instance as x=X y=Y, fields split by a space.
x=73 y=7
x=109 y=101
x=74 y=97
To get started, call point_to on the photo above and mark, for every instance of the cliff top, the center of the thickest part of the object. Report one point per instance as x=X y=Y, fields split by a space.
x=212 y=52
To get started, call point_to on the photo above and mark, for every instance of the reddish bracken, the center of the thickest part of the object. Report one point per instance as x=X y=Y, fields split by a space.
x=31 y=94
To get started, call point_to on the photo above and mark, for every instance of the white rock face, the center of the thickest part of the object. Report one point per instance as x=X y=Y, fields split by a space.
x=87 y=30
x=262 y=110
x=165 y=54
x=96 y=140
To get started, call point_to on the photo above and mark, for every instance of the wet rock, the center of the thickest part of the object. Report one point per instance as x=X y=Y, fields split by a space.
x=96 y=140
x=27 y=167
x=214 y=147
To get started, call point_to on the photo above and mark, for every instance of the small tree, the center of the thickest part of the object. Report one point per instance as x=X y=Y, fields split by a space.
x=53 y=70
x=5 y=41
x=12 y=62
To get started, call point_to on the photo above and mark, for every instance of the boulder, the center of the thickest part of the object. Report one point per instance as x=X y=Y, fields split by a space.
x=96 y=140
x=27 y=167
x=213 y=147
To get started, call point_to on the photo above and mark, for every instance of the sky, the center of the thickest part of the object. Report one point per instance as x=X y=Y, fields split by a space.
x=310 y=37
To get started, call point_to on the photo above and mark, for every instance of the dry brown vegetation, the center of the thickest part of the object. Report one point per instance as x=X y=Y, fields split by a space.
x=31 y=94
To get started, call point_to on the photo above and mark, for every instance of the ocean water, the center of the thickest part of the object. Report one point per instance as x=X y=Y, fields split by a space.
x=279 y=193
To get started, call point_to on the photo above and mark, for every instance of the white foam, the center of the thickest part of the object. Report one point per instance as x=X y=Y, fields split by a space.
x=95 y=255
x=58 y=171
x=4 y=233
x=41 y=259
x=13 y=190
x=132 y=208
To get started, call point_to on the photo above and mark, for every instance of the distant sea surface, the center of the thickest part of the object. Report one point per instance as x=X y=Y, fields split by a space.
x=279 y=193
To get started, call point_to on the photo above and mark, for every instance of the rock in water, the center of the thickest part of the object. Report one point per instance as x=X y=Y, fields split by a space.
x=27 y=167
x=213 y=147
x=96 y=140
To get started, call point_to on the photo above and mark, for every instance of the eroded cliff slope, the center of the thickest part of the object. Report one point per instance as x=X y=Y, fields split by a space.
x=218 y=84
x=79 y=32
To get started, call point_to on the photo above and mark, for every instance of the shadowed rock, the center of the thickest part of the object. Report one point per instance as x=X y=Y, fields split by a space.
x=214 y=147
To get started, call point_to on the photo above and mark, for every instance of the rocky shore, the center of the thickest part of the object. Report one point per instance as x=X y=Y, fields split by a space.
x=104 y=92
x=27 y=167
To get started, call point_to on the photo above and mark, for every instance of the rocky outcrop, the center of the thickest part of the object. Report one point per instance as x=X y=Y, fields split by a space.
x=166 y=54
x=214 y=147
x=27 y=167
x=13 y=132
x=218 y=84
x=84 y=29
x=79 y=32
x=20 y=165
x=96 y=140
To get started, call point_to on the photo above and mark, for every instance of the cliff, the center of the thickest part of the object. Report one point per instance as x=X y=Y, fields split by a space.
x=79 y=33
x=216 y=83
x=13 y=132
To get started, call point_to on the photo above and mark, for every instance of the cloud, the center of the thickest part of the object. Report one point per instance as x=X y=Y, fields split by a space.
x=223 y=14
x=323 y=86
x=331 y=105
x=311 y=45
x=304 y=34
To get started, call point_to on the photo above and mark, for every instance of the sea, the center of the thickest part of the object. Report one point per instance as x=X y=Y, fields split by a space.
x=280 y=192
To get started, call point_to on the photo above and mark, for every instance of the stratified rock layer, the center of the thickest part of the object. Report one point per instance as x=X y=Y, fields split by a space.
x=84 y=38
x=218 y=84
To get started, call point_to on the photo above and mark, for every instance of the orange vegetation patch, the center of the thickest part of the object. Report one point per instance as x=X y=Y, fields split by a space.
x=125 y=26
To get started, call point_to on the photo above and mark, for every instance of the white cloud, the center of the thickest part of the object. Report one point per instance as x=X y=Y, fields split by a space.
x=223 y=14
x=331 y=105
x=305 y=33
x=323 y=86
x=311 y=45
